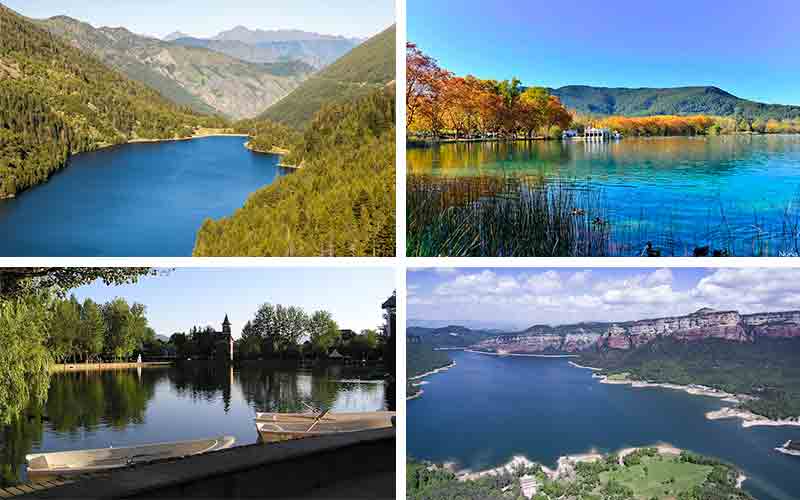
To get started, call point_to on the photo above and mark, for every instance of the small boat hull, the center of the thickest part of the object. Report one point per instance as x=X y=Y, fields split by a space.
x=67 y=463
x=330 y=417
x=286 y=429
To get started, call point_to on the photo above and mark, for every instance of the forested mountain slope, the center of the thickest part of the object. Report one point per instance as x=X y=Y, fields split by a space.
x=340 y=203
x=367 y=67
x=667 y=101
x=206 y=80
x=55 y=101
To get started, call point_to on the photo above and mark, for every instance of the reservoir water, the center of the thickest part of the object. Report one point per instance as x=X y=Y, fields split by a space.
x=734 y=192
x=196 y=400
x=487 y=409
x=134 y=200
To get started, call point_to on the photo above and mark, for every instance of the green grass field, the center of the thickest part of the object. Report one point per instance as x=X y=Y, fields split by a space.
x=660 y=477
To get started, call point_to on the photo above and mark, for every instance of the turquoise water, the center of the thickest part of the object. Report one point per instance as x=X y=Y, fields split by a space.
x=134 y=200
x=195 y=401
x=488 y=409
x=738 y=192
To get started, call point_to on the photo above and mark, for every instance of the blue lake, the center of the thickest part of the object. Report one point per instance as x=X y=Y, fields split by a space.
x=488 y=409
x=735 y=192
x=134 y=200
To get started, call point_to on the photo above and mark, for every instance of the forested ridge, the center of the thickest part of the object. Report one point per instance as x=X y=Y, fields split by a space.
x=340 y=203
x=766 y=369
x=668 y=101
x=367 y=67
x=56 y=101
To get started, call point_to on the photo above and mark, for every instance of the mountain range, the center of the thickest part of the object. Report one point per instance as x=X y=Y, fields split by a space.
x=584 y=337
x=667 y=101
x=205 y=80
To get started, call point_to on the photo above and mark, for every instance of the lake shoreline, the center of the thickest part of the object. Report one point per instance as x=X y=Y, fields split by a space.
x=565 y=465
x=85 y=367
x=749 y=418
x=275 y=150
x=104 y=146
x=420 y=392
x=524 y=355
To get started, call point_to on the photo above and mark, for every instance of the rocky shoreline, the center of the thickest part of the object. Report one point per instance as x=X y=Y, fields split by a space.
x=749 y=419
x=565 y=465
x=786 y=450
x=504 y=354
x=419 y=393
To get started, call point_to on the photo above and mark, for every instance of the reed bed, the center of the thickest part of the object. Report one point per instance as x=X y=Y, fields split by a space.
x=494 y=216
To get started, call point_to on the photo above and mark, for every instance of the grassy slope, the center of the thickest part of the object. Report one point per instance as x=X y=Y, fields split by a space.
x=659 y=471
x=666 y=101
x=369 y=66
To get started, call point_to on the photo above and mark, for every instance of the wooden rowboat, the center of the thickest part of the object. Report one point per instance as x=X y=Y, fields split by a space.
x=328 y=417
x=279 y=428
x=84 y=461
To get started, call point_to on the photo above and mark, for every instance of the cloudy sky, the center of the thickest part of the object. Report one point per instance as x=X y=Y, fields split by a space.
x=522 y=297
x=188 y=297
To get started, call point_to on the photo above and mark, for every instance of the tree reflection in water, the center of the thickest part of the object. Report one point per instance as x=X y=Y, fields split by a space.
x=85 y=404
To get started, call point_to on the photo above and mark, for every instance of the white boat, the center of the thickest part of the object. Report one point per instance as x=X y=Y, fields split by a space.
x=64 y=463
x=274 y=427
x=328 y=417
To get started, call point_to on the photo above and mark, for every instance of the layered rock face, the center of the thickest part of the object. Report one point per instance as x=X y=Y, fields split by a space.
x=775 y=325
x=701 y=325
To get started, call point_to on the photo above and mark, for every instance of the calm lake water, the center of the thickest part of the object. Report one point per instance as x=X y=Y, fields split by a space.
x=487 y=409
x=679 y=192
x=129 y=407
x=134 y=200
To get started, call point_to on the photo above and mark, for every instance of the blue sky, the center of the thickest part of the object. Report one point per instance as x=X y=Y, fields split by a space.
x=748 y=48
x=203 y=18
x=518 y=297
x=189 y=297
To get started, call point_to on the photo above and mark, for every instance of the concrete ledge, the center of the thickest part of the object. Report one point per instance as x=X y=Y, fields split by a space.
x=293 y=469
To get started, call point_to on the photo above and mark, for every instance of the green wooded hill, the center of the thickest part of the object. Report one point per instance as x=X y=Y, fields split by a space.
x=56 y=101
x=364 y=69
x=451 y=336
x=667 y=101
x=341 y=202
x=767 y=369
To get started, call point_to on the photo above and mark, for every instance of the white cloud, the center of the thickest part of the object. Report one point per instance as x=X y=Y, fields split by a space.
x=566 y=296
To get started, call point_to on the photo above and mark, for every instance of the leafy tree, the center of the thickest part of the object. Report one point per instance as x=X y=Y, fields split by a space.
x=92 y=330
x=324 y=332
x=24 y=359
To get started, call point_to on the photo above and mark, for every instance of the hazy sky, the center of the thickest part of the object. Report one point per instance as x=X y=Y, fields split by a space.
x=749 y=48
x=204 y=18
x=566 y=295
x=189 y=297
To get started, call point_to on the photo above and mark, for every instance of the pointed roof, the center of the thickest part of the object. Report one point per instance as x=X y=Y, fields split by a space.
x=226 y=322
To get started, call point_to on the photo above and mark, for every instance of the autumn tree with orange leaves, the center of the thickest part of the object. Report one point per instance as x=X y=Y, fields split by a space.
x=439 y=103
